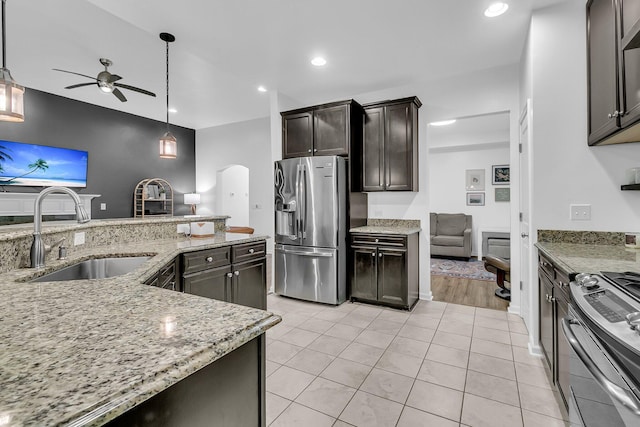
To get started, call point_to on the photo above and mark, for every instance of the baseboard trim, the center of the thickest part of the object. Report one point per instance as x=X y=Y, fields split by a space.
x=535 y=350
x=514 y=309
x=425 y=296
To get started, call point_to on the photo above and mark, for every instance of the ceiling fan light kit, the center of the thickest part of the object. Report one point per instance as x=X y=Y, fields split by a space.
x=11 y=93
x=168 y=143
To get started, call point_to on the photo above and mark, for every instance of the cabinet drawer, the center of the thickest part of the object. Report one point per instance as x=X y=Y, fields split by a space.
x=167 y=277
x=379 y=240
x=248 y=251
x=545 y=265
x=209 y=258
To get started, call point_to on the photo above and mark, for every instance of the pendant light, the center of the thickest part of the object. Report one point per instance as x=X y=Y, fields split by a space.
x=168 y=143
x=11 y=93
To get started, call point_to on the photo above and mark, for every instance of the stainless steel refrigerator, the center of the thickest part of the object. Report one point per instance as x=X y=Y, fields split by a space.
x=311 y=224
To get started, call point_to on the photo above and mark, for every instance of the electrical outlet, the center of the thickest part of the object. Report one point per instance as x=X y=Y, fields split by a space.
x=78 y=238
x=103 y=206
x=580 y=212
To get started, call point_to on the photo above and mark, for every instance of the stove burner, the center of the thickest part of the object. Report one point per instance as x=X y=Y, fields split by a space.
x=629 y=281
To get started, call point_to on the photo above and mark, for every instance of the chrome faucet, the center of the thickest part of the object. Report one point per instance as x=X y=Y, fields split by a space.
x=38 y=248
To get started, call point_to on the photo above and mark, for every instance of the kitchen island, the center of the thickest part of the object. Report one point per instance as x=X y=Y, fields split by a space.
x=87 y=352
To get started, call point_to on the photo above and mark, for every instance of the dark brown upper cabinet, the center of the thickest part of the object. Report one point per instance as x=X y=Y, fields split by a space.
x=322 y=130
x=390 y=145
x=613 y=40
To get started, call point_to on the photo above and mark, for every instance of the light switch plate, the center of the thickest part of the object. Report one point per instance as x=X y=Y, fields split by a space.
x=580 y=212
x=103 y=206
x=78 y=238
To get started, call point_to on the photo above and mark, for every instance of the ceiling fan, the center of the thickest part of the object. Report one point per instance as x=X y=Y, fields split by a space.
x=107 y=82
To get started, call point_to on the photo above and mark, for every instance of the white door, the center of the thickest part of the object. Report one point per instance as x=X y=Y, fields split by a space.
x=232 y=194
x=527 y=288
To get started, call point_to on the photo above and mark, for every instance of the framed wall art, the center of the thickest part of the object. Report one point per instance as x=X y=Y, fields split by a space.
x=501 y=174
x=503 y=194
x=474 y=179
x=475 y=199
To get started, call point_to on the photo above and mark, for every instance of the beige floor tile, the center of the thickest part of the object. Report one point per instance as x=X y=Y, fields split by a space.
x=288 y=383
x=409 y=346
x=417 y=333
x=316 y=325
x=458 y=308
x=394 y=315
x=346 y=372
x=310 y=361
x=387 y=385
x=518 y=327
x=494 y=335
x=346 y=332
x=366 y=310
x=480 y=412
x=340 y=423
x=492 y=365
x=362 y=353
x=494 y=314
x=326 y=396
x=414 y=418
x=428 y=307
x=458 y=317
x=533 y=419
x=297 y=415
x=487 y=322
x=274 y=406
x=385 y=326
x=519 y=340
x=375 y=339
x=442 y=374
x=280 y=352
x=436 y=399
x=331 y=315
x=326 y=344
x=299 y=337
x=278 y=331
x=448 y=339
x=293 y=319
x=356 y=320
x=522 y=355
x=271 y=367
x=494 y=388
x=367 y=410
x=540 y=400
x=448 y=355
x=514 y=318
x=400 y=363
x=489 y=348
x=423 y=321
x=456 y=327
x=532 y=375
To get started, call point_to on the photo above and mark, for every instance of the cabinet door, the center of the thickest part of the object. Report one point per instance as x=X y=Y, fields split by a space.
x=213 y=283
x=399 y=150
x=373 y=149
x=602 y=70
x=331 y=130
x=546 y=317
x=392 y=276
x=563 y=352
x=297 y=134
x=630 y=61
x=250 y=284
x=364 y=281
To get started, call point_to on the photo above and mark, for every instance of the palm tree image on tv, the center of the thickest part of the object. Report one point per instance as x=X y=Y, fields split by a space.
x=24 y=164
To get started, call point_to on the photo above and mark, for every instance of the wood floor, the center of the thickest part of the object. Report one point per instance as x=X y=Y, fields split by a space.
x=476 y=293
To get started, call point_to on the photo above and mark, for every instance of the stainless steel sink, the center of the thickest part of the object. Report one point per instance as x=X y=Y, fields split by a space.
x=98 y=268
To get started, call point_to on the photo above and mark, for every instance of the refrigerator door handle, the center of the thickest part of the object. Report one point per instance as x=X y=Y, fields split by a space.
x=298 y=202
x=303 y=202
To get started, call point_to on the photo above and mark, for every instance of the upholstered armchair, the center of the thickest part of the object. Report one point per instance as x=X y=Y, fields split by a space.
x=451 y=235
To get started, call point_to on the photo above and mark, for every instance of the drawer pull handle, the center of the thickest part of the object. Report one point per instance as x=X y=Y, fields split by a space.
x=373 y=254
x=380 y=255
x=377 y=240
x=237 y=273
x=229 y=275
x=209 y=259
x=251 y=250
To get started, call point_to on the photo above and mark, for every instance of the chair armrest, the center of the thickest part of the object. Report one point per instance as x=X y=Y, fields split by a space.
x=467 y=240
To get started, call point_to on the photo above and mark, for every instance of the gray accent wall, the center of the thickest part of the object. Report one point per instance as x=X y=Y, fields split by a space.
x=123 y=149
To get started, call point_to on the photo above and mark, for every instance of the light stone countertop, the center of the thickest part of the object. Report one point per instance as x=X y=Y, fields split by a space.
x=589 y=258
x=387 y=229
x=83 y=352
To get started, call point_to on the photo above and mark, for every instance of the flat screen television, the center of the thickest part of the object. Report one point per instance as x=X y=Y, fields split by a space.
x=41 y=166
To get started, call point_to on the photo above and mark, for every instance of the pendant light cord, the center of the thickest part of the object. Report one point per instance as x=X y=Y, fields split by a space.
x=167 y=43
x=4 y=36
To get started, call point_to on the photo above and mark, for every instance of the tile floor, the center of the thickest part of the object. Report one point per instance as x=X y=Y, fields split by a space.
x=440 y=365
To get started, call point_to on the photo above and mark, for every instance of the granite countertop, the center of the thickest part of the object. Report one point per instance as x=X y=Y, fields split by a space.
x=83 y=352
x=386 y=229
x=591 y=258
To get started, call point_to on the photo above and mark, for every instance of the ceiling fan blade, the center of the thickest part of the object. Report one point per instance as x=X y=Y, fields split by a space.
x=119 y=95
x=114 y=78
x=135 y=89
x=80 y=85
x=71 y=72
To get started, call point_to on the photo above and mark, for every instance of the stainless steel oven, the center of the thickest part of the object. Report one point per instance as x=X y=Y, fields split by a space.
x=602 y=332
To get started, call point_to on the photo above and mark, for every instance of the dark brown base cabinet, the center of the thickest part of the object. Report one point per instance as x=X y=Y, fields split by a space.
x=236 y=274
x=385 y=269
x=554 y=306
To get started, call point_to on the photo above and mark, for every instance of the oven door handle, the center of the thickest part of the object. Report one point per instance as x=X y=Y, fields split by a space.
x=626 y=397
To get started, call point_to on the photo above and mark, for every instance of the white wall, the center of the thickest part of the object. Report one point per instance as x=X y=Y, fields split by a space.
x=244 y=143
x=448 y=193
x=232 y=194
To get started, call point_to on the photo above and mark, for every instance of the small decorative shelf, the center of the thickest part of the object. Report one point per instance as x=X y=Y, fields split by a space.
x=153 y=197
x=630 y=187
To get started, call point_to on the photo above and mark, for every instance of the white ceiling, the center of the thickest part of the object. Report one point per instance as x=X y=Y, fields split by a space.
x=225 y=49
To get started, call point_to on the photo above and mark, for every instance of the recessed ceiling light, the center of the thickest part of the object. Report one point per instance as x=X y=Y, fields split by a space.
x=496 y=9
x=318 y=61
x=443 y=123
x=262 y=89
x=173 y=110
